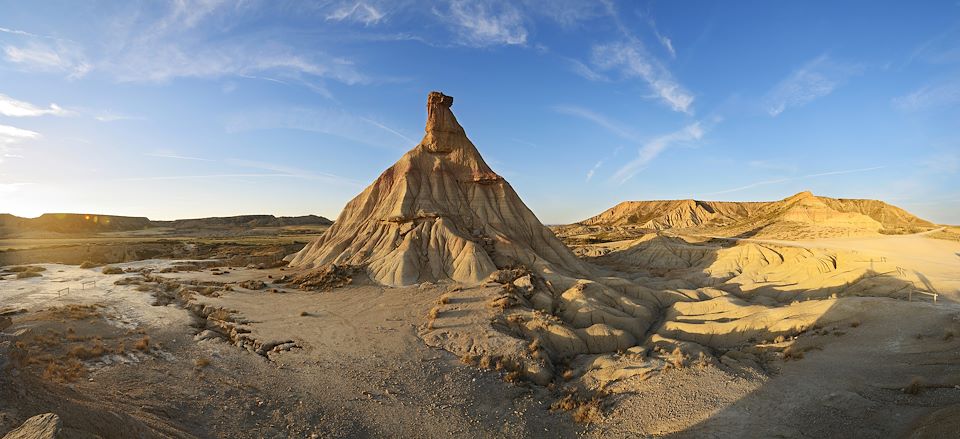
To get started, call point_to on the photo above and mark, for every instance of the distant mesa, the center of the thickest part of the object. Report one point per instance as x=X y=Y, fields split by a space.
x=439 y=213
x=83 y=223
x=798 y=216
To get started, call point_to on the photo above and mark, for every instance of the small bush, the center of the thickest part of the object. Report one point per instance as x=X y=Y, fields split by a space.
x=111 y=270
x=143 y=344
x=914 y=387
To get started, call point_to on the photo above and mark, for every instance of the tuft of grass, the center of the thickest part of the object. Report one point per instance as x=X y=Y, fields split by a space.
x=81 y=352
x=485 y=362
x=915 y=386
x=143 y=344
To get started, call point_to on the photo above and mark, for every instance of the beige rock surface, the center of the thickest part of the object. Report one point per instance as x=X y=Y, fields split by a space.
x=439 y=213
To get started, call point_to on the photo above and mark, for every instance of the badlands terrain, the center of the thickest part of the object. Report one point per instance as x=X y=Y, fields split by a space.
x=438 y=305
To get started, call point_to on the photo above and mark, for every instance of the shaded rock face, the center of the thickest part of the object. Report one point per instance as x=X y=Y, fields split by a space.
x=45 y=426
x=439 y=213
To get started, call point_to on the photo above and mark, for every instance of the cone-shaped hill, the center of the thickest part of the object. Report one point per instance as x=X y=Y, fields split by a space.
x=438 y=213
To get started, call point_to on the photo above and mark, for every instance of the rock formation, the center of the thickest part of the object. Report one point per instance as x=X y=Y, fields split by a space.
x=799 y=216
x=438 y=213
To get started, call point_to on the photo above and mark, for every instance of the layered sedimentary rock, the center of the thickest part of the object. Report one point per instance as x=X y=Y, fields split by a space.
x=439 y=213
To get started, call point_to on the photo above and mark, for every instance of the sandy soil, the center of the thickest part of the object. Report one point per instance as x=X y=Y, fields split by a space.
x=359 y=369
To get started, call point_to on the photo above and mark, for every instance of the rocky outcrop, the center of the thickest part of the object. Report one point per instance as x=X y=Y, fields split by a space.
x=439 y=213
x=44 y=426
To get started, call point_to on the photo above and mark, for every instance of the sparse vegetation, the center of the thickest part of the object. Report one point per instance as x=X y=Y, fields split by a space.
x=915 y=386
x=143 y=344
x=201 y=363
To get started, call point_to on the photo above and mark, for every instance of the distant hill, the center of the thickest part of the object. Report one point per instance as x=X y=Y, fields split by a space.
x=79 y=223
x=803 y=215
x=246 y=221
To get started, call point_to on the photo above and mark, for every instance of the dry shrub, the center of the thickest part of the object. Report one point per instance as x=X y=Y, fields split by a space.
x=111 y=270
x=200 y=363
x=81 y=352
x=143 y=344
x=485 y=362
x=792 y=354
x=76 y=312
x=703 y=361
x=588 y=412
x=583 y=412
x=512 y=377
x=468 y=359
x=914 y=387
x=677 y=358
x=26 y=269
x=62 y=372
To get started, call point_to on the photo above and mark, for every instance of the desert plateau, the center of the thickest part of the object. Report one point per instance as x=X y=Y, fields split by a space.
x=433 y=301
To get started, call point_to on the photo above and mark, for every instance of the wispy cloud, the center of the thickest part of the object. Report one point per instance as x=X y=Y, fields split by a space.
x=171 y=155
x=320 y=120
x=48 y=57
x=651 y=149
x=814 y=80
x=801 y=177
x=485 y=23
x=930 y=96
x=15 y=108
x=358 y=12
x=663 y=39
x=598 y=119
x=593 y=170
x=586 y=72
x=10 y=137
x=631 y=60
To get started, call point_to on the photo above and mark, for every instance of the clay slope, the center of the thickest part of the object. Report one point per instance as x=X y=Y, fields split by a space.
x=673 y=214
x=438 y=213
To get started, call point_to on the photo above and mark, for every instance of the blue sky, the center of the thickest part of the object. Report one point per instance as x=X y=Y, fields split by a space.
x=173 y=109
